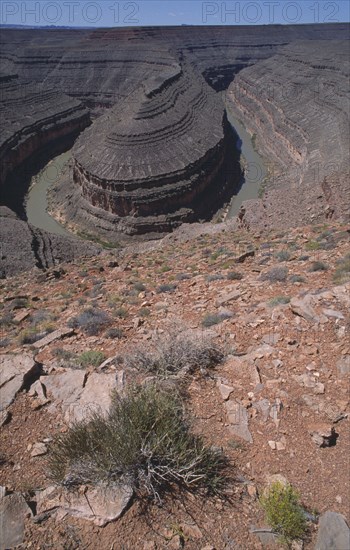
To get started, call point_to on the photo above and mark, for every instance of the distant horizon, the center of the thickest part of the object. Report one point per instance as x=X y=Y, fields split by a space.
x=88 y=14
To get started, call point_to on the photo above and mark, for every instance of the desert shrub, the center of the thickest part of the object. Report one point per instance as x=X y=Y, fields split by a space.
x=144 y=312
x=6 y=319
x=121 y=312
x=318 y=266
x=275 y=275
x=296 y=279
x=19 y=303
x=214 y=277
x=175 y=351
x=144 y=440
x=234 y=276
x=342 y=272
x=4 y=342
x=32 y=335
x=214 y=318
x=283 y=512
x=182 y=276
x=140 y=287
x=114 y=332
x=91 y=358
x=312 y=245
x=166 y=288
x=91 y=321
x=283 y=255
x=277 y=300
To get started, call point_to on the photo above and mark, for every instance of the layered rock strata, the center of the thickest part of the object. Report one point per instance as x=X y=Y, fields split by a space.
x=34 y=119
x=297 y=105
x=24 y=247
x=162 y=157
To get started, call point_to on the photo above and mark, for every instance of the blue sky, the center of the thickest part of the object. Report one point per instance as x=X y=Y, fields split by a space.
x=114 y=13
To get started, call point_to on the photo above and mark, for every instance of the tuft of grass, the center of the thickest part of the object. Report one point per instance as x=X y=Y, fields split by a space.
x=278 y=300
x=275 y=275
x=166 y=288
x=214 y=319
x=282 y=255
x=312 y=245
x=234 y=276
x=91 y=321
x=168 y=354
x=144 y=440
x=121 y=312
x=296 y=279
x=114 y=333
x=318 y=266
x=342 y=272
x=283 y=512
x=91 y=358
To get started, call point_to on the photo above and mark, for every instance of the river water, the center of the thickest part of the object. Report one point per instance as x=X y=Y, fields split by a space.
x=254 y=174
x=255 y=170
x=36 y=200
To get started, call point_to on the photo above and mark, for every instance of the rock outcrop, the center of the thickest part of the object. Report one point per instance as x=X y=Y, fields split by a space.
x=25 y=247
x=297 y=105
x=155 y=161
x=161 y=155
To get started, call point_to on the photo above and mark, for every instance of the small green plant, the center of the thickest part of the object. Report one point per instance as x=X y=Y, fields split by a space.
x=275 y=275
x=283 y=255
x=278 y=300
x=166 y=288
x=143 y=440
x=114 y=333
x=312 y=245
x=342 y=272
x=234 y=276
x=284 y=512
x=214 y=318
x=121 y=312
x=144 y=312
x=91 y=321
x=90 y=358
x=318 y=266
x=296 y=279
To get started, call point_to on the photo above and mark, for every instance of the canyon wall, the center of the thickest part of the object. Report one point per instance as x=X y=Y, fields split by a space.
x=297 y=105
x=159 y=150
x=161 y=157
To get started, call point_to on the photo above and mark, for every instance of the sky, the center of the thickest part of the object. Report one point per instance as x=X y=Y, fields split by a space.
x=116 y=13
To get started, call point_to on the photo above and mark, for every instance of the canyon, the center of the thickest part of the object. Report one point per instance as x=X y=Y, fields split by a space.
x=142 y=111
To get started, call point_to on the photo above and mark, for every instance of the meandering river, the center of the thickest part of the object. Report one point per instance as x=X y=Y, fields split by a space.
x=36 y=200
x=255 y=170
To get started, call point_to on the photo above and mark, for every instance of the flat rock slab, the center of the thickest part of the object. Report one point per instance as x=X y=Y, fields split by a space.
x=15 y=370
x=13 y=511
x=303 y=308
x=55 y=335
x=333 y=532
x=64 y=388
x=95 y=397
x=98 y=504
x=238 y=420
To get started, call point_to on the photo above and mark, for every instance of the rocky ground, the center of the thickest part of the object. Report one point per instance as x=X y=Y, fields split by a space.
x=276 y=303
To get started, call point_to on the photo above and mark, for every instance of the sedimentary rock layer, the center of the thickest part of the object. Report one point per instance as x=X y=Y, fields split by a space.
x=297 y=104
x=155 y=160
x=24 y=247
x=33 y=119
x=132 y=71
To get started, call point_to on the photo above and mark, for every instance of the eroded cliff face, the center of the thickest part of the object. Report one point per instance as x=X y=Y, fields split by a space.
x=163 y=156
x=297 y=105
x=34 y=121
x=105 y=74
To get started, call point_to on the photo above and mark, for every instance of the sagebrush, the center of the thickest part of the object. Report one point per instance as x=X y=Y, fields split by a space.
x=144 y=441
